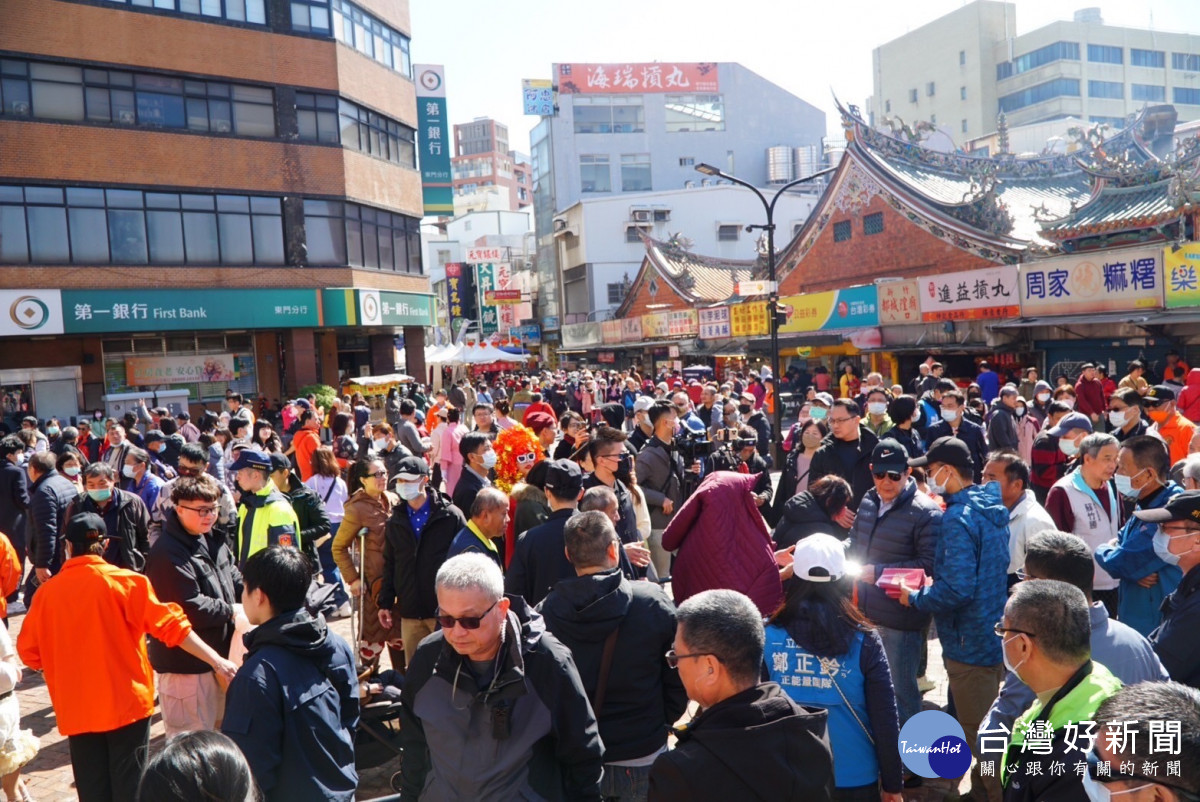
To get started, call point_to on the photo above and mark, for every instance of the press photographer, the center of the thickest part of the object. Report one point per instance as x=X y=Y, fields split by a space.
x=741 y=445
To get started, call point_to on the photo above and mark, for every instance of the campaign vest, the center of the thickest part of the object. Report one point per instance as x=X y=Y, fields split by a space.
x=803 y=675
x=1092 y=522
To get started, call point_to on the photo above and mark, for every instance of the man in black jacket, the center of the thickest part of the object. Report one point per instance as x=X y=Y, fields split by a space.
x=751 y=741
x=478 y=458
x=896 y=527
x=191 y=564
x=750 y=461
x=310 y=510
x=418 y=535
x=538 y=561
x=493 y=704
x=954 y=424
x=757 y=420
x=1002 y=428
x=387 y=447
x=14 y=493
x=50 y=493
x=845 y=452
x=618 y=632
x=124 y=514
x=660 y=477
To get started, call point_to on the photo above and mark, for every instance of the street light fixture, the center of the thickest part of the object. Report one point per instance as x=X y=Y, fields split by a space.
x=773 y=297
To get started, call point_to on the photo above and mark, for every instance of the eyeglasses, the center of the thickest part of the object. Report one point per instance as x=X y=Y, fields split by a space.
x=189 y=472
x=203 y=512
x=1178 y=530
x=895 y=476
x=673 y=658
x=837 y=420
x=378 y=474
x=1151 y=403
x=467 y=621
x=1002 y=630
x=528 y=458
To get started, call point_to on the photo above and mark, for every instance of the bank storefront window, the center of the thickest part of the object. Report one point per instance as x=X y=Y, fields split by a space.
x=229 y=358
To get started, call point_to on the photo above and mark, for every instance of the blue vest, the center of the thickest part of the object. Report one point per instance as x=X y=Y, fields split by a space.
x=803 y=676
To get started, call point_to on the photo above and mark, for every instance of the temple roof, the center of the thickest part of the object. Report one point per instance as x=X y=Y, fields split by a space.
x=700 y=280
x=1115 y=208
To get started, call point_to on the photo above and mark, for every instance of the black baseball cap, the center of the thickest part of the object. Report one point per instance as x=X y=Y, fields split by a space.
x=564 y=477
x=1160 y=392
x=280 y=463
x=889 y=453
x=154 y=436
x=85 y=528
x=411 y=469
x=1181 y=507
x=948 y=450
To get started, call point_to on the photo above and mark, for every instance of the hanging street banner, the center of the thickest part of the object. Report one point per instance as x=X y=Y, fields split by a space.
x=434 y=139
x=898 y=302
x=1182 y=271
x=1105 y=281
x=503 y=297
x=190 y=369
x=714 y=323
x=986 y=294
x=749 y=319
x=851 y=308
x=637 y=78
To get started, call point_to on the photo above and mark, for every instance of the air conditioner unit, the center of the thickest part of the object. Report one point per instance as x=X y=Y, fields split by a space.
x=642 y=216
x=560 y=224
x=126 y=117
x=222 y=127
x=20 y=108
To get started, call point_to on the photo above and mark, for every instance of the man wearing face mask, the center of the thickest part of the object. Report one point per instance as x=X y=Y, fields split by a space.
x=1046 y=635
x=418 y=535
x=1177 y=542
x=749 y=461
x=967 y=596
x=1145 y=578
x=660 y=475
x=139 y=479
x=1085 y=503
x=14 y=493
x=478 y=459
x=1125 y=414
x=124 y=514
x=50 y=493
x=1002 y=428
x=954 y=424
x=643 y=429
x=877 y=419
x=931 y=407
x=387 y=448
x=611 y=468
x=757 y=420
x=1169 y=425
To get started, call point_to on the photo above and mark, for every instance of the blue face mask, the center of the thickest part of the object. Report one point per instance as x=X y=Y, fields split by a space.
x=818 y=413
x=1162 y=547
x=100 y=496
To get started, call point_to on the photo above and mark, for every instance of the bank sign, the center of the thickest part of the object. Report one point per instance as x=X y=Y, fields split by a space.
x=854 y=307
x=100 y=311
x=30 y=312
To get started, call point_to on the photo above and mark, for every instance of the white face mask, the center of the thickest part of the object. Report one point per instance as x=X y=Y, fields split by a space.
x=408 y=490
x=380 y=443
x=128 y=472
x=1118 y=418
x=1043 y=397
x=934 y=487
x=877 y=408
x=1068 y=447
x=1068 y=402
x=1099 y=792
x=917 y=414
x=1007 y=663
x=489 y=460
x=949 y=415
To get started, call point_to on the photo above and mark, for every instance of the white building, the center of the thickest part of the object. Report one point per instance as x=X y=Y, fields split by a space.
x=962 y=69
x=599 y=240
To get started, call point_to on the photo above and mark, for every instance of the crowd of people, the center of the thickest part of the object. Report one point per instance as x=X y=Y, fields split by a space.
x=586 y=585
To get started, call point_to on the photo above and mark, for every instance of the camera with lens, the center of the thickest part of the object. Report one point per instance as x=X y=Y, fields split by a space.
x=733 y=439
x=693 y=445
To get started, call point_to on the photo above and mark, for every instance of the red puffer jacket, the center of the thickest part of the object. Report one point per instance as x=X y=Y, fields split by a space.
x=723 y=543
x=1189 y=397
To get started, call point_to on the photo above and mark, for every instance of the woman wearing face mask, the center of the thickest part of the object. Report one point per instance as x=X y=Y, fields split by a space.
x=1027 y=430
x=1039 y=407
x=907 y=412
x=70 y=465
x=1065 y=395
x=368 y=509
x=794 y=479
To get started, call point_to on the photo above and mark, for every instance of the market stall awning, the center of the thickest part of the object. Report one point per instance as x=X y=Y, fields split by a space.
x=729 y=347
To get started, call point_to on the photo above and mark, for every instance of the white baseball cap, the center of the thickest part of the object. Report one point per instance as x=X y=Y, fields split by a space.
x=643 y=403
x=822 y=558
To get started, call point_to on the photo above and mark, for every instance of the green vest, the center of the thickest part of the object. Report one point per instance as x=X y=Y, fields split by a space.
x=1078 y=705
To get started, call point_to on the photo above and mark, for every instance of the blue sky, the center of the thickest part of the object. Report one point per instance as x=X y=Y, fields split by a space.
x=808 y=48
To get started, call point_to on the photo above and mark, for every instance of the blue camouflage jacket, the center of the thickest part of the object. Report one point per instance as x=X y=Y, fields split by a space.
x=970 y=583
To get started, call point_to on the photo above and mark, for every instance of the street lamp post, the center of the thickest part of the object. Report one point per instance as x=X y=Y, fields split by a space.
x=773 y=297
